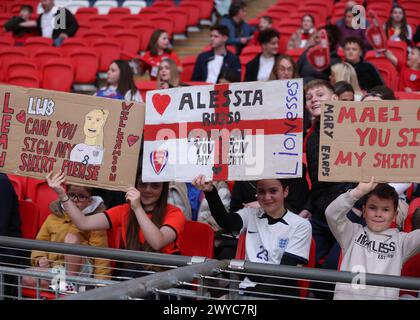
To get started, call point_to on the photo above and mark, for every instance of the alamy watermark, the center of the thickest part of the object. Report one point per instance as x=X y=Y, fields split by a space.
x=59 y=21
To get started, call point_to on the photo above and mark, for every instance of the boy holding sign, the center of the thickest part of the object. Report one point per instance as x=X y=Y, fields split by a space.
x=375 y=248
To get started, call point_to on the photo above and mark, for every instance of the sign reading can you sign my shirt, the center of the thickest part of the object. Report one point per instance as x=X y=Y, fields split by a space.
x=94 y=141
x=364 y=139
x=243 y=131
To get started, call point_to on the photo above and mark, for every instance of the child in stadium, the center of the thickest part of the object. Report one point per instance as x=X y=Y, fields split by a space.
x=58 y=227
x=377 y=247
x=273 y=234
x=120 y=83
x=157 y=51
x=147 y=221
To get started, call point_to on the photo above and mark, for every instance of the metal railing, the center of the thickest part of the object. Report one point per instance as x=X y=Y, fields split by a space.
x=187 y=277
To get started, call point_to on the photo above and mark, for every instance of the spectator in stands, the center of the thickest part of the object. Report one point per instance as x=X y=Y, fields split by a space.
x=21 y=25
x=392 y=248
x=300 y=38
x=409 y=74
x=210 y=65
x=347 y=30
x=344 y=71
x=159 y=49
x=416 y=37
x=377 y=93
x=58 y=227
x=321 y=193
x=260 y=68
x=367 y=74
x=305 y=68
x=284 y=68
x=56 y=23
x=349 y=5
x=396 y=27
x=9 y=227
x=265 y=23
x=120 y=83
x=240 y=32
x=168 y=75
x=274 y=234
x=344 y=91
x=147 y=221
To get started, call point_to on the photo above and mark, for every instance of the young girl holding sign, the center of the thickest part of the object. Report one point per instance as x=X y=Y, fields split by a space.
x=274 y=234
x=147 y=221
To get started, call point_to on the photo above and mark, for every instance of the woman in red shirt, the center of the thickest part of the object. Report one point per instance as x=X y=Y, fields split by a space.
x=147 y=221
x=158 y=50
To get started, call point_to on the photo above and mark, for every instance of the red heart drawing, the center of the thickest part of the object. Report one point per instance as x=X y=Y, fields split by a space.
x=161 y=102
x=131 y=139
x=21 y=117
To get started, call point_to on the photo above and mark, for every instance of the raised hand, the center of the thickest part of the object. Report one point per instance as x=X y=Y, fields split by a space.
x=200 y=183
x=364 y=188
x=55 y=182
x=133 y=198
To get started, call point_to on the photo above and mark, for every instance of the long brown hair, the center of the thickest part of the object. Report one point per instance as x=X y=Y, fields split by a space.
x=279 y=58
x=126 y=82
x=404 y=27
x=153 y=43
x=133 y=228
x=174 y=78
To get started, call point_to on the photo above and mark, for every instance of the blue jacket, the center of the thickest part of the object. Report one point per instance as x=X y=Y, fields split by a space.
x=230 y=62
x=246 y=31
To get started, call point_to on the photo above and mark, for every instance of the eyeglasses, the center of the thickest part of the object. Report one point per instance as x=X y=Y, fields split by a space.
x=79 y=197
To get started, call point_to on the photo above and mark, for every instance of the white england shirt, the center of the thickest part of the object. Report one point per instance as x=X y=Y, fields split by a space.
x=268 y=239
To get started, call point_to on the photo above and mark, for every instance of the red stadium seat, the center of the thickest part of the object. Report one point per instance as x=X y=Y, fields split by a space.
x=19 y=184
x=15 y=6
x=249 y=52
x=35 y=43
x=143 y=86
x=44 y=54
x=86 y=63
x=6 y=41
x=119 y=12
x=193 y=12
x=27 y=79
x=108 y=51
x=163 y=21
x=58 y=74
x=295 y=53
x=179 y=18
x=385 y=67
x=162 y=5
x=99 y=20
x=29 y=219
x=408 y=223
x=401 y=95
x=129 y=41
x=112 y=27
x=86 y=11
x=411 y=268
x=41 y=194
x=7 y=53
x=188 y=64
x=129 y=20
x=197 y=239
x=21 y=64
x=399 y=49
x=94 y=34
x=70 y=44
x=144 y=29
x=206 y=7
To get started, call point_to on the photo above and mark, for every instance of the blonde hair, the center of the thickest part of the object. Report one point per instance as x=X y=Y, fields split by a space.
x=344 y=71
x=99 y=139
x=174 y=77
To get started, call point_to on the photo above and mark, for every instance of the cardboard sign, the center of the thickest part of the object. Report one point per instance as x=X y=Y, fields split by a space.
x=95 y=141
x=364 y=139
x=238 y=131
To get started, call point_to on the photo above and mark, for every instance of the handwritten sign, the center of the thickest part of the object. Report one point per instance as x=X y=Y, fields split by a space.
x=95 y=141
x=364 y=139
x=243 y=131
